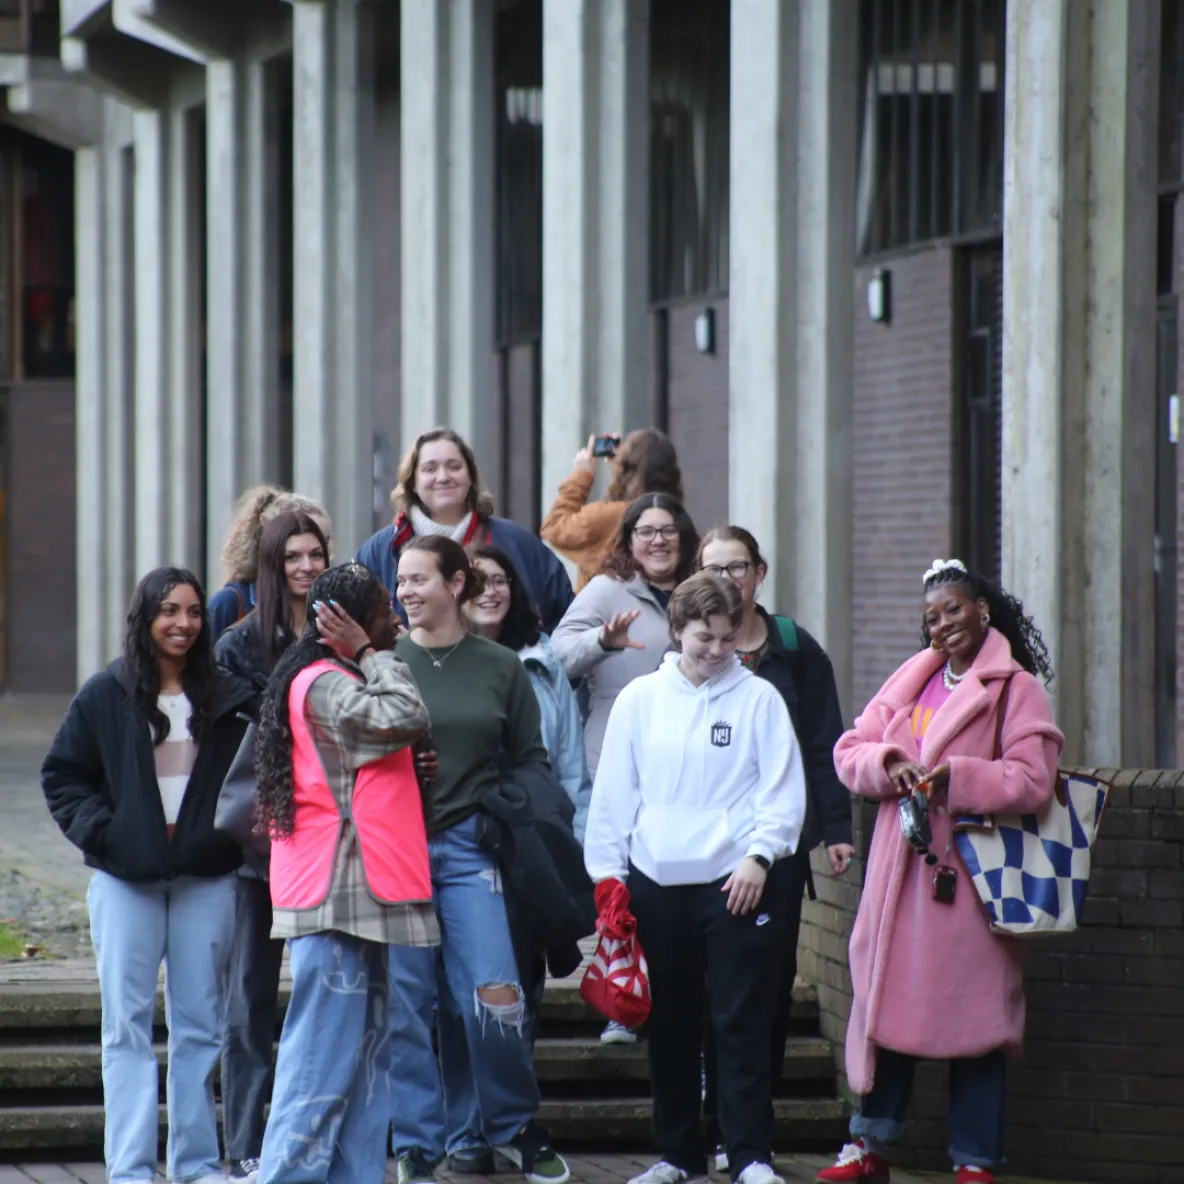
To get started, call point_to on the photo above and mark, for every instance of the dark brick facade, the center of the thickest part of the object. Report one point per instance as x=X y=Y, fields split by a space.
x=903 y=497
x=39 y=520
x=698 y=410
x=1099 y=1093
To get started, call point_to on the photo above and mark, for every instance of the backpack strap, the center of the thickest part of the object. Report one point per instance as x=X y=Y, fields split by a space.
x=788 y=629
x=242 y=607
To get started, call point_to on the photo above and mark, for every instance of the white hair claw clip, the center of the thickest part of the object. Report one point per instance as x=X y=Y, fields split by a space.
x=940 y=565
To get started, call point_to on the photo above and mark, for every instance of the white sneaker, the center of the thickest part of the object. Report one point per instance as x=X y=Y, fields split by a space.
x=615 y=1033
x=759 y=1173
x=666 y=1173
x=721 y=1158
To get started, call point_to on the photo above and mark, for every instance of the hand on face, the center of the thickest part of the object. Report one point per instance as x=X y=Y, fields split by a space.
x=339 y=631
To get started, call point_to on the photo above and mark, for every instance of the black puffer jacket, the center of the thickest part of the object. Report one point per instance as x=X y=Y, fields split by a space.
x=806 y=681
x=238 y=654
x=99 y=780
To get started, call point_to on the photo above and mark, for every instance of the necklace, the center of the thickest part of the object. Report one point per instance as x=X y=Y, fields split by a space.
x=439 y=662
x=950 y=678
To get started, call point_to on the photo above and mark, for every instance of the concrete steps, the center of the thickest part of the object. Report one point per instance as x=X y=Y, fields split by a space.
x=594 y=1095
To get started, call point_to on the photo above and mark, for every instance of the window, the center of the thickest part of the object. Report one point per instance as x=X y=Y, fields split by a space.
x=931 y=115
x=689 y=138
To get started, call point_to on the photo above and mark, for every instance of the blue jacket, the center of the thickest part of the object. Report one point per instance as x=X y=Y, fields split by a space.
x=563 y=733
x=543 y=574
x=229 y=604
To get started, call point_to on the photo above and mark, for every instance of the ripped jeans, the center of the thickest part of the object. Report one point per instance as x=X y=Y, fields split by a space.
x=477 y=953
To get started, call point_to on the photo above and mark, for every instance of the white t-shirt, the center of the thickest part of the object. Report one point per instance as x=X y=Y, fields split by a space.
x=175 y=757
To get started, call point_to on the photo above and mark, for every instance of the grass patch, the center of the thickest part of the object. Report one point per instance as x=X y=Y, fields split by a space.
x=12 y=942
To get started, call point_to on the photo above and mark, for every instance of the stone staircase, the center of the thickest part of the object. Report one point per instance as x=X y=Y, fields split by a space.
x=593 y=1095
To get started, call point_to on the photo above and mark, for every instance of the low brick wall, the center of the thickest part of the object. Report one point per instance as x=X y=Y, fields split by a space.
x=1099 y=1094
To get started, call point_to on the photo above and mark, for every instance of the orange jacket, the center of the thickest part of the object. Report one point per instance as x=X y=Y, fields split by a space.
x=386 y=811
x=580 y=530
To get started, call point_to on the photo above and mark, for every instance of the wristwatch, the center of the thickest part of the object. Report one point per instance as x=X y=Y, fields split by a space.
x=761 y=860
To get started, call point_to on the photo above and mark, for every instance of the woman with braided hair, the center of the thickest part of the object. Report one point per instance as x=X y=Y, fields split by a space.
x=339 y=796
x=966 y=724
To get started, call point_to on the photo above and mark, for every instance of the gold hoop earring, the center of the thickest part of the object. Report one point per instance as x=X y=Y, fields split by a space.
x=933 y=644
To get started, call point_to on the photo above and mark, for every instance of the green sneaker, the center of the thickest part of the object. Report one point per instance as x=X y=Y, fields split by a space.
x=531 y=1151
x=414 y=1167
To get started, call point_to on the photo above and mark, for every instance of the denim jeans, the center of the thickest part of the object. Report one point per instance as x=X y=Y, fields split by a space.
x=248 y=1056
x=477 y=952
x=188 y=923
x=331 y=1102
x=977 y=1095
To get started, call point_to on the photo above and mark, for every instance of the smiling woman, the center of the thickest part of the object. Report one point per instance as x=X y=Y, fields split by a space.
x=132 y=779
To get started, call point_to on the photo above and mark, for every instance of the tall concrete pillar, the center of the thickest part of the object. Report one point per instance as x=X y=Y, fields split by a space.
x=595 y=225
x=243 y=381
x=1078 y=358
x=447 y=200
x=792 y=244
x=333 y=100
x=152 y=375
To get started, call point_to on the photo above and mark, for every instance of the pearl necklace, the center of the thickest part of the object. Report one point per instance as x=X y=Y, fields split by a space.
x=951 y=679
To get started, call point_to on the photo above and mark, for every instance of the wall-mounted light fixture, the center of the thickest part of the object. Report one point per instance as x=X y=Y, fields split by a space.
x=879 y=296
x=705 y=331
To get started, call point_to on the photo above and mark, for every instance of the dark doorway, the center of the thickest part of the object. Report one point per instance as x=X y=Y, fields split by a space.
x=1166 y=435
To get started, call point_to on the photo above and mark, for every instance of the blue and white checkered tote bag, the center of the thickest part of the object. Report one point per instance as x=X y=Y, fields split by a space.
x=1031 y=871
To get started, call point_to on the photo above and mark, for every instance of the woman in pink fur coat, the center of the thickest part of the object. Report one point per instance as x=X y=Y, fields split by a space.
x=930 y=979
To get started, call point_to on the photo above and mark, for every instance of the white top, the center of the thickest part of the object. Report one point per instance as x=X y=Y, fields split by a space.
x=693 y=779
x=174 y=758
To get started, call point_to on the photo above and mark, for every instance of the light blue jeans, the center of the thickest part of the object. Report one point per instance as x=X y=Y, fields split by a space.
x=188 y=923
x=331 y=1102
x=477 y=952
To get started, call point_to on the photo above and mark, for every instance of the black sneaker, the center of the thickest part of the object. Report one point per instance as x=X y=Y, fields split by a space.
x=531 y=1151
x=246 y=1170
x=414 y=1167
x=471 y=1161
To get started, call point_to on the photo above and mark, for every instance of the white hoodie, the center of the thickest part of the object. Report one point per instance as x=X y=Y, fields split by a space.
x=693 y=779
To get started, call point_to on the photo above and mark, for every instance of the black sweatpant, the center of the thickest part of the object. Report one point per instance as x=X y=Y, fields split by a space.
x=701 y=956
x=248 y=1050
x=790 y=882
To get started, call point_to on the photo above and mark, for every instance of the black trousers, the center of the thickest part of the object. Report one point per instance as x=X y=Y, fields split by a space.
x=794 y=872
x=248 y=1050
x=701 y=957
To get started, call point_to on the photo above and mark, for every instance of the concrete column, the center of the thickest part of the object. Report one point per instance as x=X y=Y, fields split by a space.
x=793 y=100
x=1078 y=358
x=186 y=425
x=243 y=393
x=447 y=199
x=595 y=225
x=152 y=178
x=333 y=94
x=91 y=462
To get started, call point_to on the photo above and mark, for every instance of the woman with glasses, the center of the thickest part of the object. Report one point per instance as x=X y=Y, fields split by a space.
x=784 y=654
x=616 y=630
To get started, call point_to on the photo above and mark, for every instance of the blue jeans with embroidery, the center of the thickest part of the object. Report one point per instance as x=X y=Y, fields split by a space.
x=977 y=1094
x=331 y=1102
x=476 y=952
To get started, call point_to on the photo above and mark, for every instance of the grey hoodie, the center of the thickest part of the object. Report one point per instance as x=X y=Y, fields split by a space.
x=576 y=643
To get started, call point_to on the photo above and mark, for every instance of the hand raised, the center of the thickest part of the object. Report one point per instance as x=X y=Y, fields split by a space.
x=615 y=633
x=339 y=631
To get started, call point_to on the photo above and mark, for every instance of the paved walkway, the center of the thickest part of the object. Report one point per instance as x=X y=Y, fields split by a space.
x=30 y=842
x=585 y=1169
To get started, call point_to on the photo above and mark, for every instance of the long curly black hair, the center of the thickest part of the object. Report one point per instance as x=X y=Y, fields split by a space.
x=141 y=656
x=356 y=590
x=1007 y=616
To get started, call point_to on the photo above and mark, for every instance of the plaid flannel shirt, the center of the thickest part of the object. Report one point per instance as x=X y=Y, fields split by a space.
x=352 y=723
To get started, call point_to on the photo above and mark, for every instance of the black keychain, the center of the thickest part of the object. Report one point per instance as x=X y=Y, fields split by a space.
x=945 y=881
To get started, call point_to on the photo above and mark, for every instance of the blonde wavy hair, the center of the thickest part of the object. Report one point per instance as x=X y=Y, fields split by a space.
x=403 y=496
x=253 y=511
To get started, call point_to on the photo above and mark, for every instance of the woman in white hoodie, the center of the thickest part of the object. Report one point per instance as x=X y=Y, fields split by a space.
x=699 y=791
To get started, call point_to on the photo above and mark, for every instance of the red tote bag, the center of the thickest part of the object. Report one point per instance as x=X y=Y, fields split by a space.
x=617 y=982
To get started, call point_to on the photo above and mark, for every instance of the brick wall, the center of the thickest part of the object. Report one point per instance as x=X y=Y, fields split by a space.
x=903 y=416
x=698 y=411
x=39 y=511
x=1099 y=1094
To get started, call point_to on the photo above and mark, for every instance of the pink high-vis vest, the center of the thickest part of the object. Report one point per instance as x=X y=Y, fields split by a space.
x=386 y=810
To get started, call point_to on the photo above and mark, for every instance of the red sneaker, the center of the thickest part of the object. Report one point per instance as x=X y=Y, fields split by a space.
x=856 y=1165
x=975 y=1176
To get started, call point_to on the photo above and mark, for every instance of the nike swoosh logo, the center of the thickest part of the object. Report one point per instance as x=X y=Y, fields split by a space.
x=763 y=919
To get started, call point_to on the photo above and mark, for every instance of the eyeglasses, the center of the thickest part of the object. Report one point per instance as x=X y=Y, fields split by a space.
x=498 y=583
x=732 y=571
x=647 y=533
